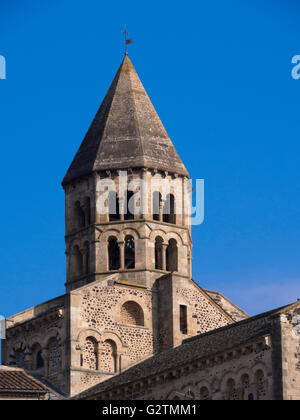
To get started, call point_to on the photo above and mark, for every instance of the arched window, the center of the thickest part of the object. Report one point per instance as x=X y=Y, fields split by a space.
x=89 y=358
x=169 y=215
x=156 y=203
x=129 y=210
x=54 y=354
x=87 y=258
x=204 y=393
x=37 y=358
x=159 y=253
x=172 y=256
x=77 y=262
x=113 y=253
x=79 y=216
x=109 y=356
x=114 y=206
x=232 y=391
x=260 y=385
x=129 y=253
x=132 y=314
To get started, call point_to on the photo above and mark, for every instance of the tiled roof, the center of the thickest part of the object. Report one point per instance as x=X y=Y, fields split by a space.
x=17 y=380
x=126 y=132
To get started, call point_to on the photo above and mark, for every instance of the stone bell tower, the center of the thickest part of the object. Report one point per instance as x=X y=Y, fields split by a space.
x=135 y=239
x=129 y=291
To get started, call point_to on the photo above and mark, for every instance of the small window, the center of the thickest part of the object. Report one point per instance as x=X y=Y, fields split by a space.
x=183 y=319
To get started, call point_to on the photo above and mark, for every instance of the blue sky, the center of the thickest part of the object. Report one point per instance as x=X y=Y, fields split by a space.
x=219 y=75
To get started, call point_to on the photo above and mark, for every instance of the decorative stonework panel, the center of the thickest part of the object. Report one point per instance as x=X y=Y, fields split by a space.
x=103 y=309
x=89 y=354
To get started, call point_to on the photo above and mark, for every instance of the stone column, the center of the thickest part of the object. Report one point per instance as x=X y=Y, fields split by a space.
x=164 y=256
x=122 y=254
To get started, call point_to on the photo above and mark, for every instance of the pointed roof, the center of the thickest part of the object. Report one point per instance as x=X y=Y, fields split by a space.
x=126 y=132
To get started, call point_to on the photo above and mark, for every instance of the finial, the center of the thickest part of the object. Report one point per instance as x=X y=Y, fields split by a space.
x=127 y=41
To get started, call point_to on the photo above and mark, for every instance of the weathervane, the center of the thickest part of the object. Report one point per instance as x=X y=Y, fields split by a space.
x=127 y=40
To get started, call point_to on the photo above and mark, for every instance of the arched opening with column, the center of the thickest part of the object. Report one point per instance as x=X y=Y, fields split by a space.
x=159 y=253
x=129 y=252
x=169 y=211
x=172 y=256
x=113 y=254
x=156 y=205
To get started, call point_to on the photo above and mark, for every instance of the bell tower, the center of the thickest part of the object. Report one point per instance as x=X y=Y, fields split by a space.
x=127 y=201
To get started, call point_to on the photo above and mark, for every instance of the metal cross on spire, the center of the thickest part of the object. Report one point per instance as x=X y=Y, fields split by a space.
x=127 y=40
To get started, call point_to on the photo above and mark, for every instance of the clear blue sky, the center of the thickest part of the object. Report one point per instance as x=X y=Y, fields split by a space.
x=219 y=75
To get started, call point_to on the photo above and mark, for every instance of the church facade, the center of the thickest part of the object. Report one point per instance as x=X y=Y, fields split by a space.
x=133 y=323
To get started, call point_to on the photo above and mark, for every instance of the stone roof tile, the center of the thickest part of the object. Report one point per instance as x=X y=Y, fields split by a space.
x=126 y=132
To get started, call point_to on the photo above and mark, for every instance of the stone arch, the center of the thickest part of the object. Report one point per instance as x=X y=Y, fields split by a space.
x=90 y=332
x=104 y=235
x=131 y=232
x=52 y=333
x=259 y=366
x=158 y=232
x=204 y=390
x=110 y=335
x=132 y=313
x=139 y=302
x=174 y=235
